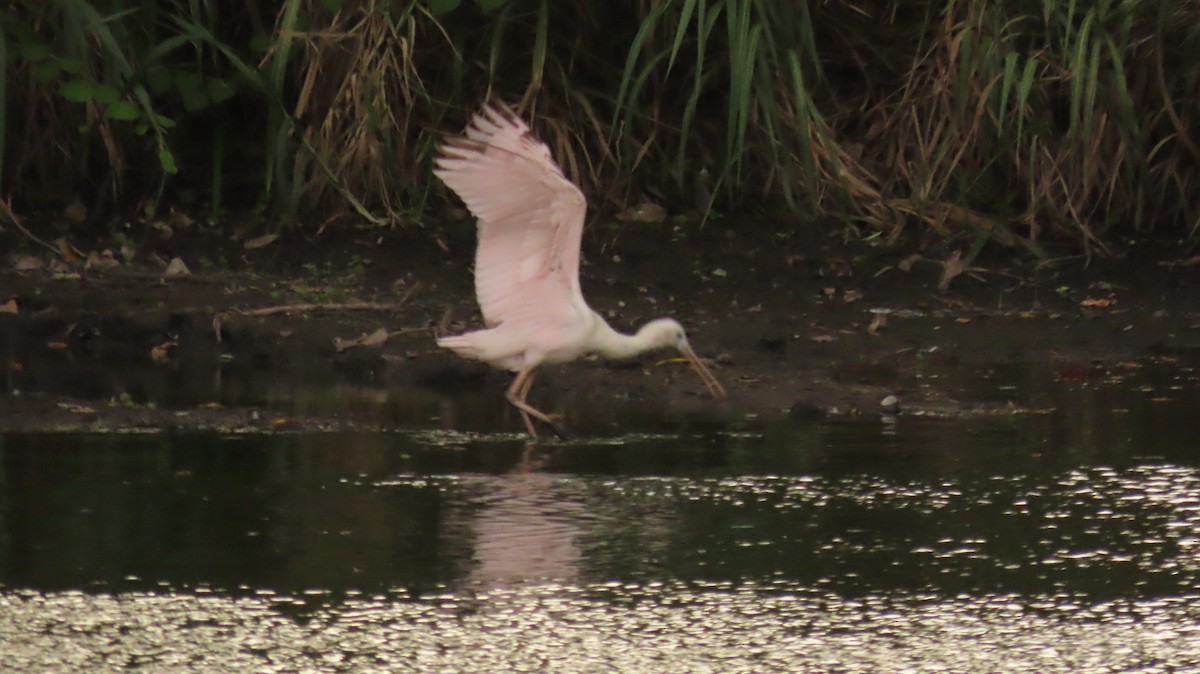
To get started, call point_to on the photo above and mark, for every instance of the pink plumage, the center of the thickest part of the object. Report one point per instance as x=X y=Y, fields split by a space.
x=527 y=260
x=530 y=218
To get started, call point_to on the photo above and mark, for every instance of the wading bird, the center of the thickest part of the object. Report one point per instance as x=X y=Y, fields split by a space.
x=527 y=262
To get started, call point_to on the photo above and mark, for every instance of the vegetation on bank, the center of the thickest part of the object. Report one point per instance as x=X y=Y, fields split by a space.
x=989 y=120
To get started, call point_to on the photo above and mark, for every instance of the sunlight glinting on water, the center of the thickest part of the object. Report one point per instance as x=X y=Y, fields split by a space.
x=656 y=627
x=468 y=553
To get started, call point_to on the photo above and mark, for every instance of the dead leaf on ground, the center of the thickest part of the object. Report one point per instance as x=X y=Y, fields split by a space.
x=101 y=261
x=29 y=263
x=952 y=267
x=9 y=307
x=822 y=339
x=164 y=352
x=1184 y=262
x=176 y=268
x=260 y=241
x=878 y=321
x=63 y=268
x=180 y=219
x=376 y=338
x=69 y=253
x=77 y=408
x=1098 y=302
x=369 y=340
x=907 y=263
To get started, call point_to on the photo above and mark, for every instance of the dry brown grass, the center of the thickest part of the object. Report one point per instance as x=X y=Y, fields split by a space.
x=1070 y=121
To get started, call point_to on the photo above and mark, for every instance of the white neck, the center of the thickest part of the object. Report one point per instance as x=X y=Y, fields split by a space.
x=617 y=345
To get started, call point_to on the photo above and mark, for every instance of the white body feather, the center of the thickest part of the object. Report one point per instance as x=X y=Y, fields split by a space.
x=527 y=260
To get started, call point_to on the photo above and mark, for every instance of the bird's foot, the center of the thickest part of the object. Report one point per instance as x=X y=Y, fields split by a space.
x=560 y=431
x=554 y=421
x=551 y=420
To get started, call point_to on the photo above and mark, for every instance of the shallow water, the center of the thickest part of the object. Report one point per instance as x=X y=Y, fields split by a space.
x=1066 y=540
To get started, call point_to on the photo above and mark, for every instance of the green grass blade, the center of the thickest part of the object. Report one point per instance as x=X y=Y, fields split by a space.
x=539 y=46
x=278 y=122
x=685 y=18
x=1090 y=86
x=1007 y=83
x=743 y=40
x=627 y=88
x=1078 y=70
x=704 y=27
x=806 y=113
x=1023 y=90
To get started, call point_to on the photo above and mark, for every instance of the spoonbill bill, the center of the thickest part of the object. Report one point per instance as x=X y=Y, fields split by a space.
x=527 y=262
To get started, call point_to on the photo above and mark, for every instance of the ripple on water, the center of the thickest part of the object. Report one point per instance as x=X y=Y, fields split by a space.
x=652 y=627
x=1095 y=530
x=1086 y=570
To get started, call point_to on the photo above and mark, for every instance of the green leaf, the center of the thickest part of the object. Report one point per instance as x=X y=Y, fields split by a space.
x=489 y=6
x=70 y=65
x=123 y=111
x=159 y=79
x=219 y=89
x=439 y=7
x=46 y=71
x=35 y=51
x=191 y=87
x=167 y=160
x=164 y=121
x=106 y=94
x=77 y=90
x=332 y=5
x=260 y=43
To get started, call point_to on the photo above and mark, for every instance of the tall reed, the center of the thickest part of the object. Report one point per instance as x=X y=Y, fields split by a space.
x=996 y=122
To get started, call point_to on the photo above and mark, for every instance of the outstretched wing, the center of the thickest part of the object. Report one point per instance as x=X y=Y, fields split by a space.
x=530 y=218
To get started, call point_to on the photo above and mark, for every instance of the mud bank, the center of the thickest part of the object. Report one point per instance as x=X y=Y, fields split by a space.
x=793 y=329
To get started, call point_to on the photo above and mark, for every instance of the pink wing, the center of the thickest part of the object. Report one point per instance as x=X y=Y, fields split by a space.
x=530 y=219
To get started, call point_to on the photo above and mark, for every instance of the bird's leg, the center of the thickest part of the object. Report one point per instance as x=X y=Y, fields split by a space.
x=517 y=391
x=516 y=396
x=523 y=395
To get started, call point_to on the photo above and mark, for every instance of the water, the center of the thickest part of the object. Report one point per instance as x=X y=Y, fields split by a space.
x=1062 y=540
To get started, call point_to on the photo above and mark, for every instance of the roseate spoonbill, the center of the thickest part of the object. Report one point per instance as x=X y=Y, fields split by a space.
x=527 y=262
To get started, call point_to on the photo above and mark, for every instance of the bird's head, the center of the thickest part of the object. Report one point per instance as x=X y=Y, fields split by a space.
x=663 y=333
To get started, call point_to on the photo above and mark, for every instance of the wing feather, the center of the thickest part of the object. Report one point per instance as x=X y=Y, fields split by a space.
x=530 y=219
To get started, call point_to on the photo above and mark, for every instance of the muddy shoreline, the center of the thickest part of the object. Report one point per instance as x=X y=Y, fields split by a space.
x=795 y=329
